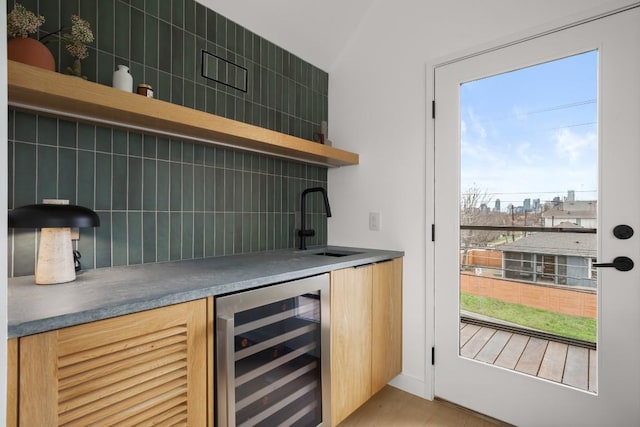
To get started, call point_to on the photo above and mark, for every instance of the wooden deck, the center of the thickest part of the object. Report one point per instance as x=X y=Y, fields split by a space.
x=563 y=363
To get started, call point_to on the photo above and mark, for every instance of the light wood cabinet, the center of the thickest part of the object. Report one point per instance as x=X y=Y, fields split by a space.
x=144 y=368
x=350 y=340
x=366 y=333
x=386 y=337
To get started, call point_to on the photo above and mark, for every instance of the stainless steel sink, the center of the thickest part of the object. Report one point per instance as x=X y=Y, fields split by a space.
x=335 y=252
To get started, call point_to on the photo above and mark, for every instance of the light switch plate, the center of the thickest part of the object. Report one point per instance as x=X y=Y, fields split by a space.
x=374 y=221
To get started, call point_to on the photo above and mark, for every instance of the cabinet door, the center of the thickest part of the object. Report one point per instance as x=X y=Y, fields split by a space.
x=386 y=338
x=350 y=340
x=143 y=368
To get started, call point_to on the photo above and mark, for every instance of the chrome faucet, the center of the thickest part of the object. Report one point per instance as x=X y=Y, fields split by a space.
x=303 y=232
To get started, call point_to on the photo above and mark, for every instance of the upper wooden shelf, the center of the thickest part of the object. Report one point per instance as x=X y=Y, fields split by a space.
x=46 y=92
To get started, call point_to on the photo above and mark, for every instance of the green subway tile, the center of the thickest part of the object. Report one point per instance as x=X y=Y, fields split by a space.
x=51 y=11
x=220 y=155
x=201 y=20
x=254 y=236
x=247 y=228
x=24 y=253
x=220 y=228
x=277 y=232
x=149 y=146
x=189 y=57
x=175 y=187
x=135 y=144
x=177 y=51
x=188 y=95
x=149 y=237
x=25 y=127
x=187 y=188
x=163 y=90
x=198 y=188
x=262 y=196
x=135 y=184
x=209 y=192
x=187 y=152
x=86 y=178
x=201 y=98
x=187 y=235
x=86 y=136
x=177 y=13
x=67 y=134
x=119 y=183
x=149 y=185
x=47 y=131
x=123 y=28
x=164 y=46
x=190 y=15
x=211 y=25
x=162 y=236
x=198 y=154
x=139 y=4
x=86 y=247
x=238 y=187
x=89 y=12
x=175 y=150
x=262 y=232
x=151 y=6
x=104 y=28
x=209 y=235
x=229 y=232
x=119 y=241
x=212 y=101
x=219 y=190
x=24 y=178
x=67 y=175
x=237 y=233
x=47 y=173
x=151 y=41
x=103 y=240
x=103 y=139
x=137 y=45
x=198 y=235
x=164 y=10
x=175 y=239
x=209 y=155
x=246 y=191
x=103 y=181
x=134 y=229
x=120 y=144
x=68 y=8
x=231 y=42
x=239 y=40
x=163 y=149
x=163 y=186
x=177 y=95
x=106 y=66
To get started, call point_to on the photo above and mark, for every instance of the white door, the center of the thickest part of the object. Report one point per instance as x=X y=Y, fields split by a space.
x=611 y=395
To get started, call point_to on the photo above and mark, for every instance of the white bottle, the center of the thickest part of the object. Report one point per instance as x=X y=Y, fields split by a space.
x=122 y=79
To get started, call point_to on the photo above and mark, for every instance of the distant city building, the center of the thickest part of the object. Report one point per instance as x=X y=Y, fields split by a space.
x=526 y=205
x=537 y=207
x=571 y=196
x=496 y=207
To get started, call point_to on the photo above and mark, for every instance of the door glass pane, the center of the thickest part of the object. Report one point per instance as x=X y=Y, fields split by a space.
x=528 y=219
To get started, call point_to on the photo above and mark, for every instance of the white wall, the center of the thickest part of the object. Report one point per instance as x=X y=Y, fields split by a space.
x=378 y=108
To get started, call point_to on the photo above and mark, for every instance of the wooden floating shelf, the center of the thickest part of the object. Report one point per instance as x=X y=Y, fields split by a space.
x=46 y=92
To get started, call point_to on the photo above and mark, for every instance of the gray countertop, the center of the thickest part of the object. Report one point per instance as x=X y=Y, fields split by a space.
x=109 y=292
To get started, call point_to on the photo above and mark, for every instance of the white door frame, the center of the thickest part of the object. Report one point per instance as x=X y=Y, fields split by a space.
x=607 y=8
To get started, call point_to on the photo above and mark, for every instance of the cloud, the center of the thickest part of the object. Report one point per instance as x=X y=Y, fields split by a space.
x=526 y=154
x=572 y=146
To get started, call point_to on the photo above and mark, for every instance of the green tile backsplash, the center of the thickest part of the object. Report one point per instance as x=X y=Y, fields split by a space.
x=161 y=199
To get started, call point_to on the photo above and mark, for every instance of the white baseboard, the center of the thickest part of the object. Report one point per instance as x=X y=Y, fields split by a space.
x=412 y=385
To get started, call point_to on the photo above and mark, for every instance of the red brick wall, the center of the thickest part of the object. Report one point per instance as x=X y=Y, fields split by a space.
x=559 y=300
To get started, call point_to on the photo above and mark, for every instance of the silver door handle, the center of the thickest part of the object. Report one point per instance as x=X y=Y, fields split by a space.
x=620 y=263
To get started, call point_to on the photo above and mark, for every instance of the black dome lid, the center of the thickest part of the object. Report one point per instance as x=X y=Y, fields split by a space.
x=46 y=215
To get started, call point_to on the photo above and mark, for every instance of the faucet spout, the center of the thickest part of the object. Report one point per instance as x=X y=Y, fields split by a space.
x=303 y=232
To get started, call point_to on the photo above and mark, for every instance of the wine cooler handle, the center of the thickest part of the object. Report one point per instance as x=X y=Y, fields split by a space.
x=227 y=367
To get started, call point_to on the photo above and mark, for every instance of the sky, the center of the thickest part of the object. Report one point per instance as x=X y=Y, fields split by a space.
x=532 y=133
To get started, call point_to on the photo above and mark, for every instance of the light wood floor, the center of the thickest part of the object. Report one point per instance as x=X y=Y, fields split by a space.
x=393 y=407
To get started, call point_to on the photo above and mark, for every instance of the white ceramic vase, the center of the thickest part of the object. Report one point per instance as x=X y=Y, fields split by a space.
x=122 y=79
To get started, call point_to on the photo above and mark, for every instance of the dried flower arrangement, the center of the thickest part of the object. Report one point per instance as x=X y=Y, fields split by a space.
x=22 y=22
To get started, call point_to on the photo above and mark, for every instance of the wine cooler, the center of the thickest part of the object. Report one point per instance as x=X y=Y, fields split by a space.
x=272 y=355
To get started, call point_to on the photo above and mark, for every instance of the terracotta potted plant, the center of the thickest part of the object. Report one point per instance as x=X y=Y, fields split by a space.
x=22 y=48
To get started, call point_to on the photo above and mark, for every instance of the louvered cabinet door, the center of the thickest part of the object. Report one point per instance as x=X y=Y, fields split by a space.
x=148 y=368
